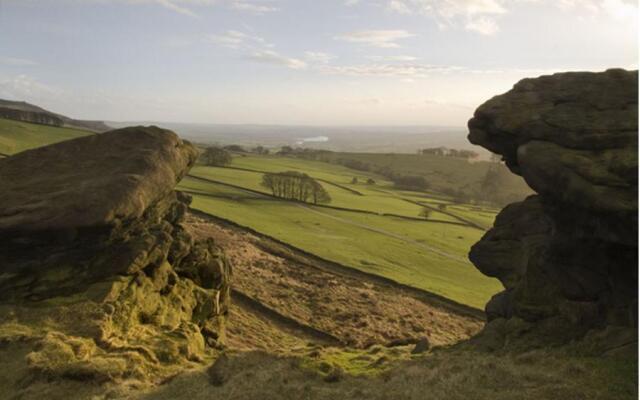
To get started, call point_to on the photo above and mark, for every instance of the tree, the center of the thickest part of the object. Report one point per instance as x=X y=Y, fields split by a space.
x=216 y=156
x=235 y=148
x=294 y=185
x=425 y=212
x=442 y=207
x=260 y=150
x=371 y=182
x=319 y=194
x=286 y=150
x=417 y=183
x=354 y=180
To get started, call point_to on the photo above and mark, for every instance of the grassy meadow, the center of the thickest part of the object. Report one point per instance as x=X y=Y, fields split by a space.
x=428 y=254
x=16 y=136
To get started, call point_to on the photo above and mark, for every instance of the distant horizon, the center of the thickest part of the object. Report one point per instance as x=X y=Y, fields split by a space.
x=302 y=62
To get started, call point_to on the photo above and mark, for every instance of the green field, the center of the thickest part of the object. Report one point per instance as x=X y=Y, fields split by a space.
x=16 y=136
x=444 y=174
x=429 y=254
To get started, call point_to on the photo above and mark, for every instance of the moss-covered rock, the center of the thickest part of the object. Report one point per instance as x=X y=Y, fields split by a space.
x=100 y=277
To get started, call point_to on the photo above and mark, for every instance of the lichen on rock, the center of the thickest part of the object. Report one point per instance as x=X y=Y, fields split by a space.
x=96 y=267
x=567 y=256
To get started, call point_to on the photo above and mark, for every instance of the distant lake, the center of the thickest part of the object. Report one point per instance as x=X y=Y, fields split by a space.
x=314 y=139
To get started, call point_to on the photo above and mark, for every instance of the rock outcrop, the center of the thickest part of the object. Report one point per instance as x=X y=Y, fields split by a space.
x=96 y=270
x=567 y=256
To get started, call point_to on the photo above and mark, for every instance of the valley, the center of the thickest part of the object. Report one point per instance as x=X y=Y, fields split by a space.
x=365 y=226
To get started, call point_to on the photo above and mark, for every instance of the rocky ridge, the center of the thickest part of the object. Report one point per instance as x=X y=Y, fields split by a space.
x=97 y=273
x=566 y=256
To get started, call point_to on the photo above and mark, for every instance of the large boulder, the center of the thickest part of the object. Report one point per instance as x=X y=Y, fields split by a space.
x=96 y=265
x=569 y=253
x=91 y=181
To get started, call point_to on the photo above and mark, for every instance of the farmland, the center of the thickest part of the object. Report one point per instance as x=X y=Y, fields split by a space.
x=371 y=227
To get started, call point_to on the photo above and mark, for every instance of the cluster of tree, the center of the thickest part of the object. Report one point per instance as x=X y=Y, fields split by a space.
x=459 y=195
x=446 y=152
x=305 y=153
x=354 y=164
x=260 y=150
x=215 y=156
x=286 y=150
x=295 y=185
x=235 y=148
x=409 y=182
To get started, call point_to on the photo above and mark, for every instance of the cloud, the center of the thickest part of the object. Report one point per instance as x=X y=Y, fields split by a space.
x=25 y=87
x=318 y=57
x=376 y=38
x=392 y=58
x=351 y=3
x=187 y=7
x=236 y=39
x=474 y=15
x=483 y=25
x=482 y=16
x=272 y=57
x=174 y=7
x=252 y=7
x=407 y=70
x=398 y=6
x=16 y=62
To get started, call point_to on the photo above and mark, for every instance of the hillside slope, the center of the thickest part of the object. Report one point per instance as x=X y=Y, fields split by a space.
x=457 y=177
x=16 y=136
x=23 y=111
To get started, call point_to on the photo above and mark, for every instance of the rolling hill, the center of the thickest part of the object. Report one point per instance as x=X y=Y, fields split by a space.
x=16 y=136
x=23 y=111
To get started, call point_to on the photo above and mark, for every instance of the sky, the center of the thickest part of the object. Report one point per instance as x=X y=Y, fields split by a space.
x=299 y=62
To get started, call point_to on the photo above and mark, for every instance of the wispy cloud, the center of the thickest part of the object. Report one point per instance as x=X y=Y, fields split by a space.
x=191 y=8
x=483 y=16
x=17 y=62
x=407 y=70
x=175 y=7
x=25 y=87
x=272 y=57
x=398 y=6
x=253 y=8
x=236 y=39
x=392 y=58
x=474 y=15
x=376 y=38
x=318 y=57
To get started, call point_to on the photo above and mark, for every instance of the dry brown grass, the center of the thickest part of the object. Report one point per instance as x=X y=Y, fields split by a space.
x=358 y=312
x=449 y=374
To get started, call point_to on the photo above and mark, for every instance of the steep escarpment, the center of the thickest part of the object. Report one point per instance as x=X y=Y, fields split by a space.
x=98 y=277
x=567 y=256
